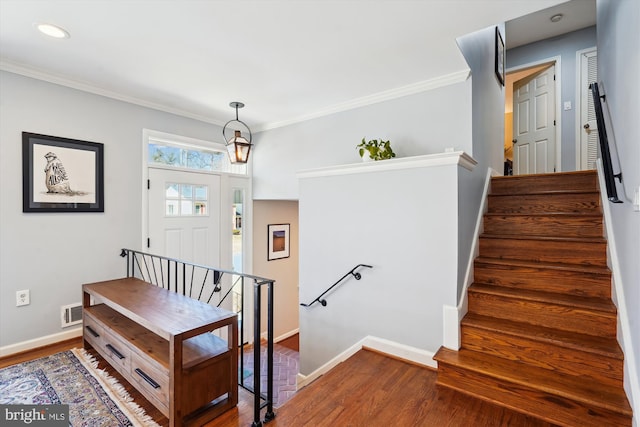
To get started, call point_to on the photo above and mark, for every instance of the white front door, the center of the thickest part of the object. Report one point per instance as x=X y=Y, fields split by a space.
x=534 y=144
x=184 y=216
x=588 y=127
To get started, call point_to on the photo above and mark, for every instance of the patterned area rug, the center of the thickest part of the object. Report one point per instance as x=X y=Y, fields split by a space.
x=285 y=372
x=72 y=377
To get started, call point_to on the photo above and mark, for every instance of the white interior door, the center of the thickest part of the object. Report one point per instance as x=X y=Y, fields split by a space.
x=184 y=216
x=588 y=142
x=534 y=142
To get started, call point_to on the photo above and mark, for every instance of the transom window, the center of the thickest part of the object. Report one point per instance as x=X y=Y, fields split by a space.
x=192 y=158
x=186 y=199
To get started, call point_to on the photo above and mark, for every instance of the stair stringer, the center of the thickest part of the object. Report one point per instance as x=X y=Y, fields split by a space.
x=452 y=316
x=631 y=380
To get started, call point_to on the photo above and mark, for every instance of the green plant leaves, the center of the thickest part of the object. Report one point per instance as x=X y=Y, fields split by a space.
x=378 y=150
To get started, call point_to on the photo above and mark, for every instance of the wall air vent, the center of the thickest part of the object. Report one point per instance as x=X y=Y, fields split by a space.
x=71 y=314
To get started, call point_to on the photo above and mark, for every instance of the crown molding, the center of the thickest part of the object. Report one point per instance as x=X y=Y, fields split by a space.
x=414 y=88
x=34 y=73
x=387 y=95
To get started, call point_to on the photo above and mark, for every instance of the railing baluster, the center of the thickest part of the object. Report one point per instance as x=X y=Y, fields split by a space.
x=217 y=275
x=225 y=295
x=146 y=266
x=161 y=275
x=191 y=284
x=269 y=415
x=175 y=282
x=155 y=274
x=204 y=282
x=184 y=278
x=256 y=354
x=138 y=264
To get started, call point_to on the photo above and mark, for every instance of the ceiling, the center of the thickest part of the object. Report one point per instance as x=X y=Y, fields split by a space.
x=287 y=60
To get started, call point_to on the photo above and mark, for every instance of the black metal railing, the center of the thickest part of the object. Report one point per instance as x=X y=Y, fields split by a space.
x=607 y=166
x=353 y=273
x=210 y=285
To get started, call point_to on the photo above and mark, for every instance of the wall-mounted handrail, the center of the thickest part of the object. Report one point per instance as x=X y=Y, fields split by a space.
x=202 y=282
x=353 y=273
x=612 y=192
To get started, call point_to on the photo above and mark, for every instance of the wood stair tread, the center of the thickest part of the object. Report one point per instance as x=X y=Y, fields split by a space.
x=553 y=174
x=538 y=264
x=585 y=239
x=607 y=347
x=567 y=386
x=542 y=192
x=545 y=214
x=588 y=303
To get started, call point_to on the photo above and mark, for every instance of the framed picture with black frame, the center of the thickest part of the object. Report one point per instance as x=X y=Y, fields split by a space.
x=499 y=57
x=278 y=241
x=61 y=174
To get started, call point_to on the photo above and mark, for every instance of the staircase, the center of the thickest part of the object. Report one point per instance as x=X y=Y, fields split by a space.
x=540 y=333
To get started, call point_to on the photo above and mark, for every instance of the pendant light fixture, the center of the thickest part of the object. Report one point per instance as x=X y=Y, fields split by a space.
x=238 y=146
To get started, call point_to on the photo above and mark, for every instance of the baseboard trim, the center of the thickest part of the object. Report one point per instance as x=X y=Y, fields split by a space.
x=40 y=342
x=389 y=348
x=281 y=337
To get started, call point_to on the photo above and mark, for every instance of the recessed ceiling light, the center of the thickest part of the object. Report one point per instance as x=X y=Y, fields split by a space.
x=556 y=18
x=53 y=31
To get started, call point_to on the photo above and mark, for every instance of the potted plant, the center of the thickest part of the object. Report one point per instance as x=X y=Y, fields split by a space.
x=375 y=150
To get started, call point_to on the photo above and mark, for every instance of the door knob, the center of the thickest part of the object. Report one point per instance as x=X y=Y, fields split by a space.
x=586 y=126
x=514 y=140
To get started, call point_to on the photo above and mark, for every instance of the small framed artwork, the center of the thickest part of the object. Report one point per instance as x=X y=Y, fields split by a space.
x=61 y=174
x=499 y=57
x=278 y=241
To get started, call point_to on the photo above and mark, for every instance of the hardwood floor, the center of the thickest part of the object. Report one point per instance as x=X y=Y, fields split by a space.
x=293 y=342
x=368 y=389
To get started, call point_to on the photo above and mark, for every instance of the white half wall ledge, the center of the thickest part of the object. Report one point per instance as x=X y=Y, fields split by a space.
x=40 y=342
x=393 y=349
x=429 y=160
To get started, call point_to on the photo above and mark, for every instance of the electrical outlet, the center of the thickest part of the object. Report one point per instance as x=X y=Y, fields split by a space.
x=23 y=298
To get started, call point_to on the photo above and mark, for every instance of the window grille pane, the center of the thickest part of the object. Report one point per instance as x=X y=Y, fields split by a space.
x=172 y=192
x=187 y=191
x=186 y=207
x=172 y=208
x=201 y=192
x=201 y=208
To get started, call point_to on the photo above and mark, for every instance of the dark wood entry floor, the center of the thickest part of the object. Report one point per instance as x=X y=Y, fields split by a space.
x=368 y=389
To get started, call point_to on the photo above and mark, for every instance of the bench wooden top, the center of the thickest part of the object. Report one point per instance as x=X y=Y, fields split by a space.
x=164 y=312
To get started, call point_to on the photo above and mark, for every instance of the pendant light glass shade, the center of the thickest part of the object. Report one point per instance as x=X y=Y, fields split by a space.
x=238 y=146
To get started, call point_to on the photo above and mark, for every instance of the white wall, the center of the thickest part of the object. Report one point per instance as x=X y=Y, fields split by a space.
x=488 y=129
x=402 y=222
x=285 y=270
x=618 y=71
x=423 y=123
x=53 y=254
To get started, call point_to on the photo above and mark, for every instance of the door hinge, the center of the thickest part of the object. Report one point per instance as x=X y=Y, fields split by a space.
x=554 y=77
x=148 y=242
x=554 y=122
x=148 y=184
